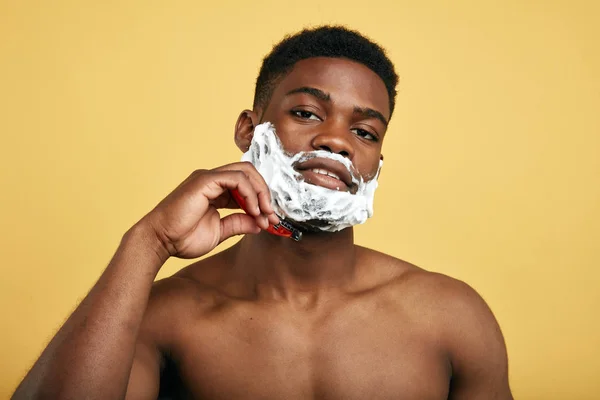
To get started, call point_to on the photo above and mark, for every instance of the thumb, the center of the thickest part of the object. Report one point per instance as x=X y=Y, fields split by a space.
x=237 y=224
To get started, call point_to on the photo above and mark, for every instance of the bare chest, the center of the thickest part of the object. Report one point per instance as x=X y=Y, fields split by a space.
x=352 y=353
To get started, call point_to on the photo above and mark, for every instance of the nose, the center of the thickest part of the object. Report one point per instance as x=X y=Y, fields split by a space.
x=334 y=139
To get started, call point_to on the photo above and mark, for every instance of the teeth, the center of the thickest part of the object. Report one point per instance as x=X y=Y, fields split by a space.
x=325 y=172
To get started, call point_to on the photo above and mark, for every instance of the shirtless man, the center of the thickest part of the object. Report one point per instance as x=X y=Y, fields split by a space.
x=271 y=318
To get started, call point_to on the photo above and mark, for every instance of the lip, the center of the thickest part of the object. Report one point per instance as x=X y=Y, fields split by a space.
x=315 y=178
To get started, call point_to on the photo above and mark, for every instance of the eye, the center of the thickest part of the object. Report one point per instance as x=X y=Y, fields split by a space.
x=365 y=134
x=303 y=114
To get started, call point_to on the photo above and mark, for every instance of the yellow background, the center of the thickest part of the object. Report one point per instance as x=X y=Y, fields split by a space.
x=492 y=171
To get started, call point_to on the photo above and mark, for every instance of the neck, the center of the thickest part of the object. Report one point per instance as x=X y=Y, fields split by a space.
x=281 y=268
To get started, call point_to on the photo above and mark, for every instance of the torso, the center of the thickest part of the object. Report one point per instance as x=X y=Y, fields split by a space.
x=380 y=342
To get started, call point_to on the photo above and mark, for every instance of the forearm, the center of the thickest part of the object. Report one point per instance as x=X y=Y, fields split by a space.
x=91 y=355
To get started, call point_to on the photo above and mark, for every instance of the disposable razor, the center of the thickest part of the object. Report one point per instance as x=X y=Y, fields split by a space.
x=283 y=228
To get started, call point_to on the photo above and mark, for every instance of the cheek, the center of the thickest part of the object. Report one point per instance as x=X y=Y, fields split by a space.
x=368 y=170
x=293 y=138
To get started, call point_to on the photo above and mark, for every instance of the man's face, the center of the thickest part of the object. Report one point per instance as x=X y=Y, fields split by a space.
x=335 y=105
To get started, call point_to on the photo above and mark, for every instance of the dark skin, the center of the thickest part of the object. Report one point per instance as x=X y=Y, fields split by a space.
x=270 y=318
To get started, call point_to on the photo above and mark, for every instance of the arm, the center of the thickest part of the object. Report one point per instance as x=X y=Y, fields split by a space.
x=478 y=353
x=94 y=353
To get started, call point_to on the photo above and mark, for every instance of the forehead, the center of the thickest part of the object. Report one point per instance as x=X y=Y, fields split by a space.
x=348 y=82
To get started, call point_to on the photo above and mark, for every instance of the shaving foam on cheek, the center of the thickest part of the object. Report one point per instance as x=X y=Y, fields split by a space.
x=321 y=208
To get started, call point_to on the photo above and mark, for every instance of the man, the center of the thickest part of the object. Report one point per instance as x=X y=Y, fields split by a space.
x=272 y=318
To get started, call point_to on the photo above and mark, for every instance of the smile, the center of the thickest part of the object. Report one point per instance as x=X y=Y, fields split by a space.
x=324 y=178
x=325 y=172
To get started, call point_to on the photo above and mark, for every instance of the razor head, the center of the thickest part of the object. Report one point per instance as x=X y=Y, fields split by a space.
x=284 y=228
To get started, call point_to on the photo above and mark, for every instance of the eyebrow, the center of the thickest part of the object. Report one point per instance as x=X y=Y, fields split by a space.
x=370 y=113
x=321 y=95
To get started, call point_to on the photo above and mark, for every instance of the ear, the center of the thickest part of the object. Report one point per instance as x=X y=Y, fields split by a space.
x=244 y=129
x=381 y=157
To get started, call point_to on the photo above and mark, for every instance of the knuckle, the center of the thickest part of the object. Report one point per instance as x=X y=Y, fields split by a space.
x=241 y=174
x=245 y=166
x=198 y=172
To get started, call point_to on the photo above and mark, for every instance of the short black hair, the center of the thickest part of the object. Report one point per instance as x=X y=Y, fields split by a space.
x=325 y=41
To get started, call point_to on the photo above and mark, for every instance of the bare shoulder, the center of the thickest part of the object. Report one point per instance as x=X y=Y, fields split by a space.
x=449 y=305
x=458 y=316
x=414 y=284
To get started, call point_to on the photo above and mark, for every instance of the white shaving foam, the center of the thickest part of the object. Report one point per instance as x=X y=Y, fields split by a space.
x=321 y=208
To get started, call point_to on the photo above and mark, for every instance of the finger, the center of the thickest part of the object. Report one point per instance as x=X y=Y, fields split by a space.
x=237 y=224
x=263 y=191
x=258 y=182
x=228 y=201
x=220 y=181
x=262 y=221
